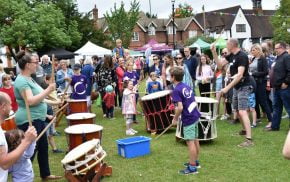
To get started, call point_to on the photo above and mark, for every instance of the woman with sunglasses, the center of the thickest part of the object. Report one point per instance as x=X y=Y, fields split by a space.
x=25 y=85
x=186 y=77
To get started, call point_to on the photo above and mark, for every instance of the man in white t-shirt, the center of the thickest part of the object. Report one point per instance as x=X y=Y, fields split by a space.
x=8 y=159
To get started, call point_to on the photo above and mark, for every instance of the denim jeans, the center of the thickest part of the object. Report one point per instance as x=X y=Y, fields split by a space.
x=281 y=97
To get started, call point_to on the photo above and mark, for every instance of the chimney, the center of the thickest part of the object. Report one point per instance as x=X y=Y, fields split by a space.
x=95 y=16
x=257 y=7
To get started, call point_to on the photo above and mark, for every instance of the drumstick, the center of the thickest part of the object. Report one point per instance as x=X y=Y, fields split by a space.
x=51 y=122
x=27 y=108
x=164 y=131
x=203 y=93
x=65 y=90
x=45 y=129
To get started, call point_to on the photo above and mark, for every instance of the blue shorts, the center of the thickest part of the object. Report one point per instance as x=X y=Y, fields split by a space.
x=219 y=84
x=252 y=100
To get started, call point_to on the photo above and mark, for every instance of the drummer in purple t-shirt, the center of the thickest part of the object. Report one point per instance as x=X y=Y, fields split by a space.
x=78 y=83
x=183 y=97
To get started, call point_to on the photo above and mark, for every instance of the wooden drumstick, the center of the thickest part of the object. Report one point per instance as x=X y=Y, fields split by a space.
x=203 y=93
x=51 y=122
x=27 y=108
x=164 y=131
x=45 y=129
x=65 y=90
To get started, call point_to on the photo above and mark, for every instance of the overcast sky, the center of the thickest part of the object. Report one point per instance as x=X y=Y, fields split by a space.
x=163 y=7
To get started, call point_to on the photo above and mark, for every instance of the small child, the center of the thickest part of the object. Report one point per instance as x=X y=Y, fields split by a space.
x=129 y=106
x=252 y=101
x=78 y=83
x=22 y=170
x=183 y=98
x=8 y=88
x=109 y=100
x=153 y=85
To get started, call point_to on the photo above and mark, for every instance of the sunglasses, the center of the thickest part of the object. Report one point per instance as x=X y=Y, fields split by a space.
x=224 y=53
x=155 y=59
x=178 y=57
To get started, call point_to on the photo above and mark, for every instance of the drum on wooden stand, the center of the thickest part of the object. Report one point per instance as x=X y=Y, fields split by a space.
x=158 y=109
x=78 y=134
x=207 y=122
x=77 y=106
x=81 y=118
x=9 y=123
x=84 y=157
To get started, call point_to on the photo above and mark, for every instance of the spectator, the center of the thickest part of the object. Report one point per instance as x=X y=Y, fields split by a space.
x=156 y=67
x=186 y=77
x=168 y=64
x=153 y=85
x=46 y=65
x=88 y=72
x=8 y=88
x=120 y=70
x=63 y=76
x=191 y=63
x=118 y=51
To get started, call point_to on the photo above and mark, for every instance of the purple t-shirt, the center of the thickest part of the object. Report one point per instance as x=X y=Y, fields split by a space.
x=133 y=76
x=79 y=84
x=183 y=93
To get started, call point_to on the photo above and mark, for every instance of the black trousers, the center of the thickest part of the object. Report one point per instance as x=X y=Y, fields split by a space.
x=204 y=88
x=41 y=147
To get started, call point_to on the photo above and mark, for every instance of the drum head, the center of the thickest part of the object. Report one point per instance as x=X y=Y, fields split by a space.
x=205 y=100
x=156 y=95
x=80 y=151
x=78 y=116
x=80 y=100
x=83 y=128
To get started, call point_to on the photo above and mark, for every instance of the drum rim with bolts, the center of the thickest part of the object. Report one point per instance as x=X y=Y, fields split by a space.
x=156 y=95
x=83 y=128
x=81 y=115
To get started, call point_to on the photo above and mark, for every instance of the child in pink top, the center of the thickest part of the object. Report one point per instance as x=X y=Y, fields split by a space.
x=129 y=106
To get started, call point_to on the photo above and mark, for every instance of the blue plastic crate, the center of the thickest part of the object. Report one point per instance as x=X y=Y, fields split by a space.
x=133 y=146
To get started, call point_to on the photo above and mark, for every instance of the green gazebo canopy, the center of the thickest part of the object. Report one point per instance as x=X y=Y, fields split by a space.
x=200 y=44
x=221 y=43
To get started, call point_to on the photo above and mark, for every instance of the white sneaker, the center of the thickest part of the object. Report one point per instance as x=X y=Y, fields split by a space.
x=129 y=132
x=134 y=131
x=285 y=116
x=224 y=117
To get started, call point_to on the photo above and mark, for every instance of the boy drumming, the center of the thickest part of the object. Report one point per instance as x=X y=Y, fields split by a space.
x=183 y=97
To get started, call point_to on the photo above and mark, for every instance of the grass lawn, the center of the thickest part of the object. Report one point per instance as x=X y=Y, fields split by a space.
x=221 y=159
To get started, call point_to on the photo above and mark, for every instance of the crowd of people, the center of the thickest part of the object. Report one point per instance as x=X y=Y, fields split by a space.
x=242 y=81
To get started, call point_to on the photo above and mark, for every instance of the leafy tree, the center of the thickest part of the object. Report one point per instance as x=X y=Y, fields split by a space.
x=281 y=22
x=121 y=23
x=37 y=27
x=183 y=11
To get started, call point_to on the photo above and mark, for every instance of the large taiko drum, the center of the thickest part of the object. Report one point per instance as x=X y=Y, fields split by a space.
x=84 y=157
x=9 y=123
x=81 y=118
x=158 y=109
x=77 y=106
x=78 y=134
x=207 y=122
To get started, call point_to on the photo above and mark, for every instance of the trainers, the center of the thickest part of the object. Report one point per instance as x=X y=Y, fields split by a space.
x=224 y=117
x=57 y=151
x=285 y=116
x=189 y=170
x=234 y=121
x=129 y=132
x=134 y=131
x=197 y=164
x=254 y=126
x=247 y=143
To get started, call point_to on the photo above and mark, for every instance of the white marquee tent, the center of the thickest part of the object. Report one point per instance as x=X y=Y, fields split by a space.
x=90 y=49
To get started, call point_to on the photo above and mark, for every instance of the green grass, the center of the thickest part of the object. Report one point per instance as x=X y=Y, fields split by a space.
x=221 y=159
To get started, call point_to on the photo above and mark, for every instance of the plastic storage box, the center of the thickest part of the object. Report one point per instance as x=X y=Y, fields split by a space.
x=133 y=146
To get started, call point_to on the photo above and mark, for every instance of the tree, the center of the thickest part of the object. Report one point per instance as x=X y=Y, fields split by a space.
x=121 y=23
x=281 y=22
x=184 y=11
x=37 y=27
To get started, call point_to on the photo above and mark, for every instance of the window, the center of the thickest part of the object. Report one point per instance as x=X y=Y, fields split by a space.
x=151 y=30
x=240 y=27
x=170 y=30
x=192 y=33
x=135 y=36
